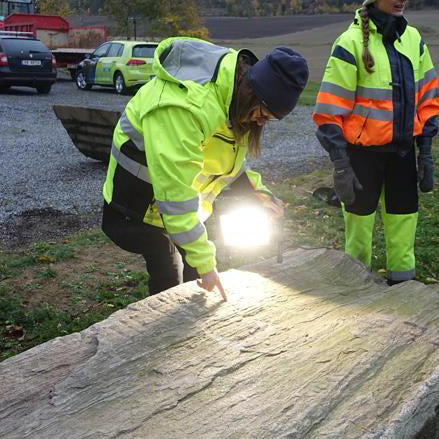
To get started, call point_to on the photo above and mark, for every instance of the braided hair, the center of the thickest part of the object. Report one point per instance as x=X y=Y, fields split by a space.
x=368 y=60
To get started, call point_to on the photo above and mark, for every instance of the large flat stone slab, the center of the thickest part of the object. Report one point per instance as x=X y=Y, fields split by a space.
x=312 y=348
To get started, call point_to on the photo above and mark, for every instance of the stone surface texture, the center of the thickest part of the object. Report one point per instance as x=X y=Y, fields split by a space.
x=312 y=348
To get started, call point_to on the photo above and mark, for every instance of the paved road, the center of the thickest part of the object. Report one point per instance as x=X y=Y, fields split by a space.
x=47 y=185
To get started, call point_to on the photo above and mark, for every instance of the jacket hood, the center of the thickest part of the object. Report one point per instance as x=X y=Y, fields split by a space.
x=195 y=63
x=357 y=22
x=181 y=59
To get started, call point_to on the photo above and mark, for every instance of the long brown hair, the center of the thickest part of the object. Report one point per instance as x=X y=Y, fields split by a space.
x=244 y=102
x=368 y=60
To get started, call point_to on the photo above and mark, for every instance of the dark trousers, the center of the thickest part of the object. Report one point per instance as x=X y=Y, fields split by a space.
x=385 y=172
x=165 y=265
x=393 y=179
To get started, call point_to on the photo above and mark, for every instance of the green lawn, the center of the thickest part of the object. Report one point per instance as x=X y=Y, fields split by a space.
x=308 y=96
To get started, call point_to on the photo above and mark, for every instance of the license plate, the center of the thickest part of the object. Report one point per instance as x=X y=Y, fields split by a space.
x=31 y=62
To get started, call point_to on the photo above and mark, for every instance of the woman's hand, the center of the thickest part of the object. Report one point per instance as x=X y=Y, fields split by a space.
x=275 y=205
x=211 y=280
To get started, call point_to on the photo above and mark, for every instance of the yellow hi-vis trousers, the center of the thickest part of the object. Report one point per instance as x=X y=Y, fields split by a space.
x=399 y=232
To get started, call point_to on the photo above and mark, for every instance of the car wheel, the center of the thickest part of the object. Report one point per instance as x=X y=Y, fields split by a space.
x=81 y=82
x=119 y=84
x=43 y=89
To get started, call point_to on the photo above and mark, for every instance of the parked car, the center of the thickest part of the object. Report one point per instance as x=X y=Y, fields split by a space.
x=25 y=61
x=120 y=64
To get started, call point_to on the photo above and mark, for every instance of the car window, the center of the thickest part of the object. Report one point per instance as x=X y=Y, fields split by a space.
x=144 y=51
x=101 y=50
x=15 y=45
x=115 y=49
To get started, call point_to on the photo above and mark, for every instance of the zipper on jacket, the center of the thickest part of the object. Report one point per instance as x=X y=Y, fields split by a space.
x=228 y=140
x=232 y=142
x=402 y=95
x=403 y=83
x=398 y=91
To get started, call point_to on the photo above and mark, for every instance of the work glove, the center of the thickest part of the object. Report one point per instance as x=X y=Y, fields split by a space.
x=425 y=168
x=345 y=181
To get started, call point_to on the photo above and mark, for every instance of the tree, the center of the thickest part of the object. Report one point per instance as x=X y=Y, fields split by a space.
x=82 y=7
x=255 y=7
x=295 y=6
x=55 y=7
x=179 y=18
x=123 y=14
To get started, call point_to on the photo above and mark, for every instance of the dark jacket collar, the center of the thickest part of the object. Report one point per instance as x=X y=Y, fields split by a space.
x=388 y=25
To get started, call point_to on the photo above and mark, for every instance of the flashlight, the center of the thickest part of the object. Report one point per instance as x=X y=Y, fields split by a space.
x=246 y=227
x=249 y=226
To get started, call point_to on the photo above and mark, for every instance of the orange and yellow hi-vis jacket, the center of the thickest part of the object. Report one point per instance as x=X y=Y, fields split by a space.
x=362 y=104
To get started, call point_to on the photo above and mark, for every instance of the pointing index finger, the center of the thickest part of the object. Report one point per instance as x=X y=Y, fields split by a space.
x=222 y=291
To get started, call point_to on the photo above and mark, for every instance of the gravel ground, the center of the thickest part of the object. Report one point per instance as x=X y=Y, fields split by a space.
x=49 y=188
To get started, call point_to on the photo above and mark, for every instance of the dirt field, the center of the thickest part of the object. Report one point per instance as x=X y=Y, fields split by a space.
x=312 y=35
x=315 y=44
x=236 y=28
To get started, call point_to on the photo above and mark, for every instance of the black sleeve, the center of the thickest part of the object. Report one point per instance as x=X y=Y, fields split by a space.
x=429 y=131
x=241 y=187
x=332 y=139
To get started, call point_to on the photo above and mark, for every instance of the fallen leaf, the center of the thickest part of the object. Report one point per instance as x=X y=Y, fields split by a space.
x=14 y=331
x=431 y=280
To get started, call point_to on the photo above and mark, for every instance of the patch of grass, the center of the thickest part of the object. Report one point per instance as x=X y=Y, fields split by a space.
x=308 y=96
x=47 y=289
x=310 y=222
x=12 y=263
x=25 y=329
x=91 y=237
x=10 y=308
x=47 y=273
x=427 y=240
x=23 y=326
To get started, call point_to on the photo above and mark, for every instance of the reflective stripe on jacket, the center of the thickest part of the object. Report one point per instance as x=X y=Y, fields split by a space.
x=172 y=150
x=362 y=103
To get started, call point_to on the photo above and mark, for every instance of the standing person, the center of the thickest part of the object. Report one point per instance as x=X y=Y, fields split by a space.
x=379 y=96
x=181 y=140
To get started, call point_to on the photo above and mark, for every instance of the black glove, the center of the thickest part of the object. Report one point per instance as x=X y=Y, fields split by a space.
x=425 y=168
x=345 y=181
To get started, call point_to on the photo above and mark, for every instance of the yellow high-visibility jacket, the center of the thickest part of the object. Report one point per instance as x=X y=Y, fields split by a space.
x=173 y=152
